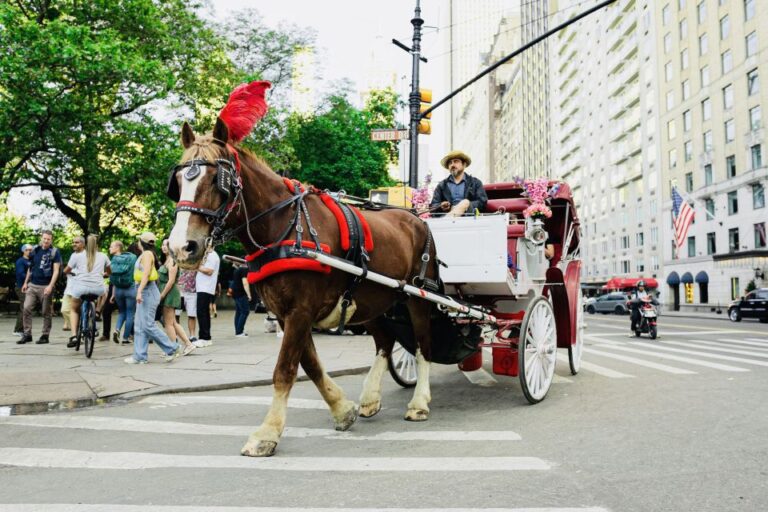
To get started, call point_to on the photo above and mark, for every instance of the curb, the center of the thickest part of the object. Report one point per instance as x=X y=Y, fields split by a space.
x=82 y=403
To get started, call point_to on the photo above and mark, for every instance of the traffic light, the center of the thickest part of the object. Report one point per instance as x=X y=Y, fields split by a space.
x=425 y=97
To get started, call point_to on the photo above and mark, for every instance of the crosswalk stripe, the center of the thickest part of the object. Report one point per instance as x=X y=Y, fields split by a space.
x=80 y=507
x=166 y=400
x=76 y=421
x=688 y=360
x=719 y=347
x=480 y=377
x=600 y=370
x=79 y=459
x=701 y=353
x=744 y=342
x=763 y=340
x=640 y=362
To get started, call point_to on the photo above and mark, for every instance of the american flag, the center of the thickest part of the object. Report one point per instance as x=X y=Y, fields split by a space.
x=683 y=216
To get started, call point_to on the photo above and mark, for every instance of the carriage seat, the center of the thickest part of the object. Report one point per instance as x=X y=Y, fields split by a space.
x=514 y=231
x=510 y=205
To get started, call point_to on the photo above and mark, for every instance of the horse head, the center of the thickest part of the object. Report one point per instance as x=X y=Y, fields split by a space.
x=206 y=187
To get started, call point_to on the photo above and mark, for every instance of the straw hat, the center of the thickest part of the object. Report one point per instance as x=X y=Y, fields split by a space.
x=148 y=238
x=456 y=154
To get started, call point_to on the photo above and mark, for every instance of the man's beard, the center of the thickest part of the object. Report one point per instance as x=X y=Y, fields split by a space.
x=455 y=172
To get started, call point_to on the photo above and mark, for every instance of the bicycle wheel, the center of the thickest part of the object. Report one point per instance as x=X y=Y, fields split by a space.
x=90 y=329
x=80 y=328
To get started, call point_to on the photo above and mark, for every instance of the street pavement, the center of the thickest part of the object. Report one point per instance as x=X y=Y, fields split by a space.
x=675 y=424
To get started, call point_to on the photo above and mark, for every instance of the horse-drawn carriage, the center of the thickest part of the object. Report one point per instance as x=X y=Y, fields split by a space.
x=497 y=265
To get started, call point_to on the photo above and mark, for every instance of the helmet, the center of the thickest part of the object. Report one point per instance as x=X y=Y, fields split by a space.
x=641 y=283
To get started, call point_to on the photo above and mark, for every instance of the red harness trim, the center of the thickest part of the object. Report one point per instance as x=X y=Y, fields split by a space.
x=342 y=222
x=287 y=264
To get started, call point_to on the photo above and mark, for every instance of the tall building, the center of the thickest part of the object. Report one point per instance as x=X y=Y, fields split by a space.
x=712 y=57
x=604 y=141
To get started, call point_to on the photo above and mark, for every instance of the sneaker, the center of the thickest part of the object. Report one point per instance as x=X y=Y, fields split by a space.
x=241 y=335
x=188 y=350
x=43 y=340
x=126 y=341
x=18 y=333
x=25 y=338
x=173 y=356
x=193 y=339
x=202 y=343
x=66 y=329
x=103 y=338
x=72 y=342
x=131 y=360
x=116 y=336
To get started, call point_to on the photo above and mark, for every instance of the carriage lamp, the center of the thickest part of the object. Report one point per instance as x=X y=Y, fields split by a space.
x=759 y=274
x=536 y=234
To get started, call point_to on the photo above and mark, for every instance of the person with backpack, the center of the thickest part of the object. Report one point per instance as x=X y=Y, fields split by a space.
x=39 y=285
x=123 y=290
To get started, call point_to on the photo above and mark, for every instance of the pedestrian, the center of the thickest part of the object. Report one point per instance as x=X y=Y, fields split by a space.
x=22 y=267
x=87 y=270
x=78 y=245
x=188 y=291
x=123 y=290
x=39 y=285
x=205 y=284
x=147 y=302
x=241 y=293
x=170 y=299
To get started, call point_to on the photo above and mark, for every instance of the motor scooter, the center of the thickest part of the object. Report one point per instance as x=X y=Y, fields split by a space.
x=648 y=319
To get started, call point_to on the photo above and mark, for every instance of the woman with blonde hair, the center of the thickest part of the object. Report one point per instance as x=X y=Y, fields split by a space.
x=86 y=269
x=170 y=299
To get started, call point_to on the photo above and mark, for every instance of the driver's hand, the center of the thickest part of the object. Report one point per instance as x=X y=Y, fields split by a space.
x=445 y=206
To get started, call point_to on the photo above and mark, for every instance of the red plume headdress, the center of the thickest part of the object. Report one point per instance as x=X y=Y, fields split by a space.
x=246 y=105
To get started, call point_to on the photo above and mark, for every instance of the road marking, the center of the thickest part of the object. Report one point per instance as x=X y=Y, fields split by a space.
x=759 y=340
x=716 y=366
x=705 y=354
x=640 y=362
x=480 y=377
x=713 y=345
x=743 y=342
x=78 y=459
x=61 y=507
x=296 y=403
x=600 y=370
x=76 y=421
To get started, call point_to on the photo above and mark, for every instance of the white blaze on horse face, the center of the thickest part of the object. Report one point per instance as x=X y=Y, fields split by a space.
x=177 y=241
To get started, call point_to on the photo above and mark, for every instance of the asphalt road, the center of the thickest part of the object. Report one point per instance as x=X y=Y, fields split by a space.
x=677 y=424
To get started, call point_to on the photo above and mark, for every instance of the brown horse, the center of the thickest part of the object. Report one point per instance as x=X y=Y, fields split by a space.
x=301 y=298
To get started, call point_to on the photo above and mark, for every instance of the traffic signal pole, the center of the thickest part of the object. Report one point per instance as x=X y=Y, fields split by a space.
x=414 y=99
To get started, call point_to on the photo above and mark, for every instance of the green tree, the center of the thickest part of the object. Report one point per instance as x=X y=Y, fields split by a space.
x=83 y=86
x=382 y=105
x=335 y=149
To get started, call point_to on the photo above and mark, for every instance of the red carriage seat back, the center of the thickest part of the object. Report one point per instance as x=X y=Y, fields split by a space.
x=509 y=205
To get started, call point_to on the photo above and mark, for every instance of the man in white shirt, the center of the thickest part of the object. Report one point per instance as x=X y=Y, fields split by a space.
x=205 y=283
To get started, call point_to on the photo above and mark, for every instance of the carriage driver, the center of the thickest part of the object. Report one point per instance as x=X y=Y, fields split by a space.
x=458 y=192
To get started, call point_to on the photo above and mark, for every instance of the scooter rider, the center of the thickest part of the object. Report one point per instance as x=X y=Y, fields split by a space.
x=638 y=297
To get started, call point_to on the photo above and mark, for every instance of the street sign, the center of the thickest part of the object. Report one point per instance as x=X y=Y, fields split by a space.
x=389 y=134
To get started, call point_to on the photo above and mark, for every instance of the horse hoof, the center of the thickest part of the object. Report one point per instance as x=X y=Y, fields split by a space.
x=417 y=415
x=345 y=422
x=370 y=410
x=259 y=449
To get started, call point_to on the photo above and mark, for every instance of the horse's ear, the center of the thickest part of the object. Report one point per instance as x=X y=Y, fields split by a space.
x=220 y=131
x=187 y=135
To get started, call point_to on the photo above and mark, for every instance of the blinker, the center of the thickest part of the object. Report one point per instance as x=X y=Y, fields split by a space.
x=192 y=172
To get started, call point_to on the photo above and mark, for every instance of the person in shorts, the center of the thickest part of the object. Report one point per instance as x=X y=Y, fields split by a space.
x=86 y=270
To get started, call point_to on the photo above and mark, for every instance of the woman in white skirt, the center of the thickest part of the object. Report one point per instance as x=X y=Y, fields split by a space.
x=87 y=270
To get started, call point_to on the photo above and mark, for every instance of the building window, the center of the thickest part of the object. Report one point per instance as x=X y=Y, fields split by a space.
x=654 y=263
x=691 y=246
x=667 y=43
x=728 y=96
x=667 y=71
x=757 y=156
x=758 y=196
x=760 y=235
x=755 y=118
x=711 y=244
x=703 y=293
x=680 y=5
x=725 y=26
x=654 y=235
x=751 y=44
x=684 y=59
x=709 y=207
x=672 y=158
x=749 y=9
x=701 y=11
x=706 y=109
x=687 y=121
x=688 y=149
x=670 y=100
x=665 y=15
x=733 y=203
x=704 y=75
x=726 y=59
x=707 y=140
x=753 y=84
x=625 y=242
x=733 y=240
x=689 y=182
x=707 y=174
x=735 y=291
x=683 y=26
x=671 y=130
x=703 y=44
x=625 y=266
x=730 y=131
x=640 y=266
x=686 y=90
x=730 y=166
x=640 y=239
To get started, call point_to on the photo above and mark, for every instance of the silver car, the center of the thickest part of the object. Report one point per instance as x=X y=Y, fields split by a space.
x=608 y=303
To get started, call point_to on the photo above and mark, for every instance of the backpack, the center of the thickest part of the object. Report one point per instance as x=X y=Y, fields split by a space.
x=122 y=270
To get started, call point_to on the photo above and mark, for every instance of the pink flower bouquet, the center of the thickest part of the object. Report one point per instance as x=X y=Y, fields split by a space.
x=537 y=210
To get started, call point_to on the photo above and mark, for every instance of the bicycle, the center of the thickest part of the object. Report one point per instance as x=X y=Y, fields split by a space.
x=86 y=331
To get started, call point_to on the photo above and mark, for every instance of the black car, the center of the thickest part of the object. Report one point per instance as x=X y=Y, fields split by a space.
x=754 y=305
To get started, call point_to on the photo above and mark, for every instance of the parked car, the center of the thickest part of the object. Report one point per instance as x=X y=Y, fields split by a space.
x=753 y=305
x=609 y=303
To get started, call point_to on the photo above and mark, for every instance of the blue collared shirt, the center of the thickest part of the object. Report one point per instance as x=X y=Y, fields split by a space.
x=457 y=189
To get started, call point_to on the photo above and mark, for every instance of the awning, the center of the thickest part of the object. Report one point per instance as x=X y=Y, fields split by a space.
x=673 y=279
x=687 y=278
x=702 y=278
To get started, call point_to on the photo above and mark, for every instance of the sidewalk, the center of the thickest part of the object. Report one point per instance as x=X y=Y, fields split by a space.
x=37 y=378
x=691 y=314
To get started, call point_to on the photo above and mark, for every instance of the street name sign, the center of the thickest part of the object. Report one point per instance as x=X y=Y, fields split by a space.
x=389 y=134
